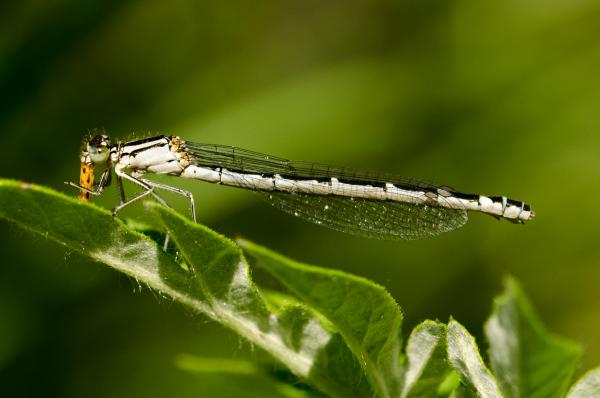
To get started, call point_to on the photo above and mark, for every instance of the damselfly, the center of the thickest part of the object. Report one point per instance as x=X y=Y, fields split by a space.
x=366 y=204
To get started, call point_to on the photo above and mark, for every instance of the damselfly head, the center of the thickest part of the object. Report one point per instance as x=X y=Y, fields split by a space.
x=97 y=149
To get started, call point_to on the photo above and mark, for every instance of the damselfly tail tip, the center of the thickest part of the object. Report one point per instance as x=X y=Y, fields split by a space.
x=529 y=216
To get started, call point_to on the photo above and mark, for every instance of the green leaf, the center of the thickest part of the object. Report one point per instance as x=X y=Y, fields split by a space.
x=217 y=282
x=243 y=372
x=293 y=335
x=464 y=356
x=341 y=334
x=89 y=230
x=365 y=314
x=527 y=360
x=451 y=384
x=197 y=364
x=426 y=367
x=462 y=392
x=588 y=386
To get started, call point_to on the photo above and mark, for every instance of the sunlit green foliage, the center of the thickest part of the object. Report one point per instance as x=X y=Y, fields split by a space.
x=352 y=348
x=494 y=97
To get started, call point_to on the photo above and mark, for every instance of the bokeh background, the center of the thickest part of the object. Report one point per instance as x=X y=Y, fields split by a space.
x=498 y=97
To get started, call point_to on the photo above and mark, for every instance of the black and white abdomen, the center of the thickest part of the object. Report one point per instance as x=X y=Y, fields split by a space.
x=505 y=207
x=498 y=206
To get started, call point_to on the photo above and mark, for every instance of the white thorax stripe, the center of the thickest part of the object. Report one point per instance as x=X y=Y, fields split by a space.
x=154 y=156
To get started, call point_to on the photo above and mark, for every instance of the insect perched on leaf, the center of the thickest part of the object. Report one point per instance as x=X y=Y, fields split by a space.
x=360 y=203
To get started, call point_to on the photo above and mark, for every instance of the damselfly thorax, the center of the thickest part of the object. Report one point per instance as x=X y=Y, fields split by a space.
x=360 y=203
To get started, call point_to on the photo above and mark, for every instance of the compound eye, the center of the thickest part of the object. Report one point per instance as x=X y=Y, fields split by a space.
x=98 y=147
x=98 y=140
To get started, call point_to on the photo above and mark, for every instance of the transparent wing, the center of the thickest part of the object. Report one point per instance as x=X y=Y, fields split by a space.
x=372 y=219
x=246 y=161
x=406 y=218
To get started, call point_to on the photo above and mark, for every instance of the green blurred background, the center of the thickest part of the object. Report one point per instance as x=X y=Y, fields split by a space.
x=498 y=97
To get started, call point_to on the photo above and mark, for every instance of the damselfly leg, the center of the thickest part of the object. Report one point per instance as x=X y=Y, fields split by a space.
x=147 y=190
x=178 y=191
x=147 y=186
x=104 y=182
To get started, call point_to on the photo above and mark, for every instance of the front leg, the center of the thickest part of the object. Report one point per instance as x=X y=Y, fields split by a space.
x=104 y=181
x=147 y=190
